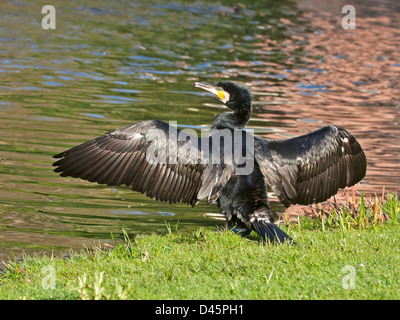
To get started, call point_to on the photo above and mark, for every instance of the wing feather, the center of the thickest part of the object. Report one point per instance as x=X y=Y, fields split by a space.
x=311 y=168
x=121 y=157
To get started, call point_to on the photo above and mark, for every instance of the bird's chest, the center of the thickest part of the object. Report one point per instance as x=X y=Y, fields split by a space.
x=240 y=195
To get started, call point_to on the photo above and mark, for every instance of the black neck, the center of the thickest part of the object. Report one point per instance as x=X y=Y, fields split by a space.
x=232 y=120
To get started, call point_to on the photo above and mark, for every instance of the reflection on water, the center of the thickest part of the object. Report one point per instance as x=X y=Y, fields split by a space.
x=107 y=65
x=344 y=77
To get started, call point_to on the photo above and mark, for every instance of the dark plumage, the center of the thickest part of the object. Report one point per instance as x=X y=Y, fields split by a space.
x=182 y=168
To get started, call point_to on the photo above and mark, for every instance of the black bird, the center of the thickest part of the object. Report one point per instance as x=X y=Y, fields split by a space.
x=170 y=165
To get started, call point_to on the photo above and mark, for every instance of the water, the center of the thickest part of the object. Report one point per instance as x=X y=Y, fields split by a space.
x=110 y=64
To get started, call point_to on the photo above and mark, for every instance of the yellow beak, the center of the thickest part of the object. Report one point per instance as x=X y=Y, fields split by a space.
x=219 y=92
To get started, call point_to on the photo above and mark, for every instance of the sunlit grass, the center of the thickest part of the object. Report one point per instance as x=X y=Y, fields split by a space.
x=358 y=213
x=360 y=235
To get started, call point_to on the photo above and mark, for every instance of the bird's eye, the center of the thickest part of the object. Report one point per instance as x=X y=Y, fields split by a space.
x=220 y=89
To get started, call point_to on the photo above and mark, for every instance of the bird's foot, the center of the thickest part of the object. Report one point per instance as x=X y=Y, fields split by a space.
x=241 y=231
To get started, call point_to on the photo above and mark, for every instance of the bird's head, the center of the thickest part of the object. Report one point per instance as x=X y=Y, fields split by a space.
x=233 y=95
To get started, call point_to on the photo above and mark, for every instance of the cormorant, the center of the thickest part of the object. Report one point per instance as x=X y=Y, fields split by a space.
x=170 y=165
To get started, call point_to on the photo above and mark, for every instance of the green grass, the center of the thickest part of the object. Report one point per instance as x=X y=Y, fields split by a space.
x=357 y=242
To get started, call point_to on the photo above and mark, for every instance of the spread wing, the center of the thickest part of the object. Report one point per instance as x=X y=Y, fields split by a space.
x=311 y=168
x=148 y=157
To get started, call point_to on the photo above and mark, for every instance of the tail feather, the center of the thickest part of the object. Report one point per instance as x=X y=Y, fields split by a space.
x=268 y=230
